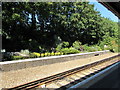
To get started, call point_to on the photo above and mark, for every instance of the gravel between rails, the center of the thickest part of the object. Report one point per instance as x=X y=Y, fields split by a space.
x=22 y=76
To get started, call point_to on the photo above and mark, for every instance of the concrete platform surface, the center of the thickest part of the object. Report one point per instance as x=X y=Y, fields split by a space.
x=22 y=76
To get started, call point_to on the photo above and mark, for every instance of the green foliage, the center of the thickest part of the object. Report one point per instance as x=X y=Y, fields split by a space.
x=113 y=46
x=59 y=47
x=17 y=57
x=65 y=50
x=15 y=16
x=65 y=44
x=52 y=54
x=46 y=54
x=57 y=53
x=70 y=50
x=101 y=45
x=62 y=45
x=91 y=48
x=73 y=50
x=86 y=47
x=36 y=54
x=42 y=54
x=95 y=48
x=32 y=55
x=40 y=26
x=76 y=45
x=61 y=53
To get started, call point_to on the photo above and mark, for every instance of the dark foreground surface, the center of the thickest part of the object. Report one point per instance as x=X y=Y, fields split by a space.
x=110 y=81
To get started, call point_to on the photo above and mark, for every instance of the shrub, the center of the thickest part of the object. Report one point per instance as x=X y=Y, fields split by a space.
x=59 y=47
x=70 y=50
x=73 y=50
x=107 y=47
x=46 y=54
x=36 y=54
x=42 y=54
x=77 y=45
x=17 y=57
x=86 y=47
x=52 y=54
x=101 y=45
x=97 y=48
x=114 y=46
x=61 y=53
x=65 y=44
x=32 y=55
x=65 y=50
x=26 y=51
x=92 y=48
x=116 y=49
x=57 y=53
x=62 y=45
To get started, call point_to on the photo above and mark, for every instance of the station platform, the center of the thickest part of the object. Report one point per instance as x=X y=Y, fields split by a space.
x=17 y=77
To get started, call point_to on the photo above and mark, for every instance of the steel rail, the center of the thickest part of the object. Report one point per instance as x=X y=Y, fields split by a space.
x=95 y=78
x=52 y=78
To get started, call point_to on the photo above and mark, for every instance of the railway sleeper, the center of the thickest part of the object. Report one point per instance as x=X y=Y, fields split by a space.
x=69 y=78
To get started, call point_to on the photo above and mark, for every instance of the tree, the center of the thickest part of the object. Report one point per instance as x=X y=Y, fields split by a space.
x=29 y=25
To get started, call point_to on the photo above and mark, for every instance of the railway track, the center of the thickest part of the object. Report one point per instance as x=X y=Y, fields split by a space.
x=69 y=78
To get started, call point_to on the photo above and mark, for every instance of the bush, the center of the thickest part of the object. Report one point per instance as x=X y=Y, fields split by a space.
x=65 y=44
x=77 y=45
x=73 y=50
x=116 y=49
x=42 y=54
x=26 y=51
x=65 y=50
x=61 y=53
x=86 y=47
x=101 y=45
x=32 y=55
x=46 y=54
x=92 y=48
x=17 y=57
x=97 y=48
x=59 y=47
x=36 y=54
x=62 y=45
x=52 y=54
x=107 y=47
x=70 y=50
x=57 y=53
x=114 y=46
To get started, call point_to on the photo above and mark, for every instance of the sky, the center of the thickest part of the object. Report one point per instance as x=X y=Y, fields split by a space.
x=104 y=11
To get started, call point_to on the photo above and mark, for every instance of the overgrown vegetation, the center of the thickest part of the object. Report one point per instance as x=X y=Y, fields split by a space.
x=55 y=28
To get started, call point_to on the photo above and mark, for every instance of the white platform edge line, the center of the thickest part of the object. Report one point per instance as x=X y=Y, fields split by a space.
x=50 y=57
